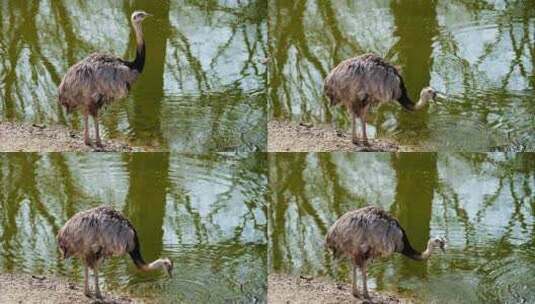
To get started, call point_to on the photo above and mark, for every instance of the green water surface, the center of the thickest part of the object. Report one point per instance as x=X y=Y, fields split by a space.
x=480 y=53
x=206 y=213
x=483 y=204
x=202 y=89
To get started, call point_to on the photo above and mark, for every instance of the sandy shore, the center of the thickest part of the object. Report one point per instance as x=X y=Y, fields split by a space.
x=292 y=137
x=31 y=289
x=284 y=289
x=15 y=137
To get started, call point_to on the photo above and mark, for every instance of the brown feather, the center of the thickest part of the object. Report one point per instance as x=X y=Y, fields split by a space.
x=95 y=234
x=365 y=234
x=363 y=80
x=95 y=81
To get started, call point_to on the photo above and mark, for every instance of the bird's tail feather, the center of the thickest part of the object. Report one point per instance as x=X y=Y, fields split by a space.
x=135 y=254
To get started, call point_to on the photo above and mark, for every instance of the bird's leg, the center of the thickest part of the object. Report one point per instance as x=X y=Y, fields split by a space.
x=355 y=287
x=362 y=116
x=86 y=129
x=354 y=137
x=97 y=135
x=97 y=288
x=86 y=282
x=364 y=271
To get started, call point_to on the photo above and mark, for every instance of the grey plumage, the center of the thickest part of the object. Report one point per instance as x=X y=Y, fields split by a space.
x=100 y=79
x=102 y=232
x=365 y=81
x=370 y=232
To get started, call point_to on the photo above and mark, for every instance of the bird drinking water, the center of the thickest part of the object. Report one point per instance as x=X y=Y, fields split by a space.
x=369 y=80
x=99 y=233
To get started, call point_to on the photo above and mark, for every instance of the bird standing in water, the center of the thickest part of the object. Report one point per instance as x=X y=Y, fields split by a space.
x=100 y=79
x=370 y=232
x=369 y=80
x=102 y=232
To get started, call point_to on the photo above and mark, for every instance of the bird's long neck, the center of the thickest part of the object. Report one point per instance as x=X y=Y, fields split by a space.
x=420 y=104
x=405 y=100
x=135 y=254
x=139 y=62
x=407 y=103
x=412 y=253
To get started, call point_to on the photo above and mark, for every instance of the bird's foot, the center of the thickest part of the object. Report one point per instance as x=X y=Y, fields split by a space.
x=360 y=142
x=88 y=294
x=356 y=294
x=99 y=144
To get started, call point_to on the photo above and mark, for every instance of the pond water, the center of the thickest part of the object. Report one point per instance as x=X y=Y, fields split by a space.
x=482 y=55
x=202 y=89
x=206 y=213
x=483 y=204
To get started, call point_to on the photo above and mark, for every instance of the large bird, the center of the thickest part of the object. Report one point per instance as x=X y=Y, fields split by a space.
x=100 y=79
x=365 y=81
x=102 y=232
x=370 y=232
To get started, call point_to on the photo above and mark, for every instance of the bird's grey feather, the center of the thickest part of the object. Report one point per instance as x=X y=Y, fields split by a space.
x=362 y=80
x=95 y=81
x=95 y=234
x=365 y=234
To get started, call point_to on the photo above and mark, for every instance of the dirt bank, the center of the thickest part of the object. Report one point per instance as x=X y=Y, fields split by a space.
x=16 y=137
x=293 y=137
x=284 y=289
x=25 y=288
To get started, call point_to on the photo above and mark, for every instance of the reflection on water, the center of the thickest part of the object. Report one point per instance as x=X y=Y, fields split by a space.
x=202 y=88
x=482 y=55
x=207 y=213
x=484 y=204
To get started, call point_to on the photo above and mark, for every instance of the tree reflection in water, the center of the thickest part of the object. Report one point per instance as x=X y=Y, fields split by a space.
x=483 y=204
x=455 y=46
x=206 y=212
x=203 y=68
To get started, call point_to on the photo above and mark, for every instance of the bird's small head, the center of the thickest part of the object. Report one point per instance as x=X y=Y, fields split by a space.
x=168 y=265
x=438 y=242
x=428 y=93
x=139 y=16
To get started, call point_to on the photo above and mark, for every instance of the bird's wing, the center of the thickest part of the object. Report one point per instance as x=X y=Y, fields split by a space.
x=116 y=232
x=99 y=230
x=385 y=232
x=368 y=230
x=99 y=76
x=363 y=77
x=113 y=77
x=381 y=79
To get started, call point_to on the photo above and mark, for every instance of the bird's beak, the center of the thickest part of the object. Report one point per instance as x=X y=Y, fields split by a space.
x=443 y=246
x=170 y=269
x=441 y=95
